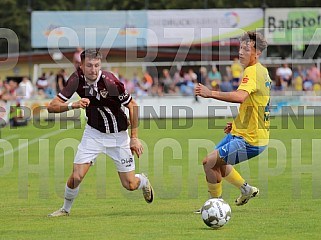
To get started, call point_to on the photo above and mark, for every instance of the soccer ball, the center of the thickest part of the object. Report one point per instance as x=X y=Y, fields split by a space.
x=216 y=212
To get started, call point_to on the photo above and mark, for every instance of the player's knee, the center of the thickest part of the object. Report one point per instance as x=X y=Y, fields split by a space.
x=205 y=160
x=130 y=185
x=209 y=164
x=206 y=167
x=77 y=178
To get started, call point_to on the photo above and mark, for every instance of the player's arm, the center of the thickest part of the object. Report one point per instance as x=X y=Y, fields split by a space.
x=238 y=96
x=133 y=117
x=135 y=144
x=228 y=128
x=57 y=105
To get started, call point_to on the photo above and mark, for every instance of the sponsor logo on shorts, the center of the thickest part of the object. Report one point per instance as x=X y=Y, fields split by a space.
x=127 y=162
x=224 y=149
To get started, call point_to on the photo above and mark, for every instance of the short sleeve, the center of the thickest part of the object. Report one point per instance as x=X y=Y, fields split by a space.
x=118 y=90
x=70 y=88
x=248 y=81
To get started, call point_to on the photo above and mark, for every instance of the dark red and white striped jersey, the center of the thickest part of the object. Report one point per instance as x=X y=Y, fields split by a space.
x=107 y=95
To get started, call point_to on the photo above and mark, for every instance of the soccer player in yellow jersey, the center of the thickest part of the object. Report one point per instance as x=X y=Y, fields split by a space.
x=248 y=135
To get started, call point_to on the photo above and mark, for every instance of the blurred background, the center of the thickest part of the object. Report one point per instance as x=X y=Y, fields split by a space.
x=157 y=48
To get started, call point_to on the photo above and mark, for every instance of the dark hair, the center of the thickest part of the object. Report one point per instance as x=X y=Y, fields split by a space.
x=90 y=53
x=259 y=41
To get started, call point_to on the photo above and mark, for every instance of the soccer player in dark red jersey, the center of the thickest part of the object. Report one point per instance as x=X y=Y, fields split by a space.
x=102 y=96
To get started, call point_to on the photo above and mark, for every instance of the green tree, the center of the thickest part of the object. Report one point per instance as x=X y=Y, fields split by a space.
x=15 y=14
x=15 y=18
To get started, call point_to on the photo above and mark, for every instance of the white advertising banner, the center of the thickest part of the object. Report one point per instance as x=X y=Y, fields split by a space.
x=293 y=26
x=197 y=26
x=121 y=29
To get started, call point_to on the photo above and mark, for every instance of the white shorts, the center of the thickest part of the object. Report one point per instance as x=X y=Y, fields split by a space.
x=115 y=145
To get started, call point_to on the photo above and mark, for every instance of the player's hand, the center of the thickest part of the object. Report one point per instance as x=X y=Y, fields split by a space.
x=136 y=146
x=82 y=103
x=202 y=91
x=228 y=128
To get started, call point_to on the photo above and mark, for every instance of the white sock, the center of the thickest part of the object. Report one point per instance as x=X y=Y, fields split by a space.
x=245 y=188
x=70 y=195
x=143 y=180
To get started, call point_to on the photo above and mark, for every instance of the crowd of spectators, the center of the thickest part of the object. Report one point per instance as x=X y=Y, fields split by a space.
x=221 y=78
x=299 y=78
x=167 y=81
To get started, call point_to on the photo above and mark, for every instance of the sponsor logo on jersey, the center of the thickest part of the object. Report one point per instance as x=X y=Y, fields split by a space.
x=245 y=79
x=104 y=93
x=123 y=96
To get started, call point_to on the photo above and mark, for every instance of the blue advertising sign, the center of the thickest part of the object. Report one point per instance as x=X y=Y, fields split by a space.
x=88 y=29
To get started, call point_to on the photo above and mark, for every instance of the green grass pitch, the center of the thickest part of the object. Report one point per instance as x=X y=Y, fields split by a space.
x=35 y=162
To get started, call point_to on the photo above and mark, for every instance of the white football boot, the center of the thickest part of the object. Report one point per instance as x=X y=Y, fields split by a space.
x=59 y=213
x=148 y=191
x=245 y=197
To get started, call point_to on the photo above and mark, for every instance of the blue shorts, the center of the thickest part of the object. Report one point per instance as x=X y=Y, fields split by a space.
x=234 y=149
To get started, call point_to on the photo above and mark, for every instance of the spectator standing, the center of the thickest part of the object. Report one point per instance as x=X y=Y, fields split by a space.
x=214 y=78
x=2 y=88
x=226 y=85
x=166 y=81
x=284 y=75
x=42 y=82
x=25 y=89
x=61 y=80
x=10 y=92
x=202 y=76
x=313 y=74
x=236 y=70
x=299 y=75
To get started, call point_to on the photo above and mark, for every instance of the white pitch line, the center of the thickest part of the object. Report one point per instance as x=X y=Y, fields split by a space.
x=34 y=140
x=11 y=137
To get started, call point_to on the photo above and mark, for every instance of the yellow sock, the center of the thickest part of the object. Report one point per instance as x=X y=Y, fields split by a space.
x=215 y=189
x=235 y=178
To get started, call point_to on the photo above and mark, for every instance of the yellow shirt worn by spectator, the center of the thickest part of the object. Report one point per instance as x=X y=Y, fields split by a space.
x=253 y=122
x=237 y=69
x=298 y=83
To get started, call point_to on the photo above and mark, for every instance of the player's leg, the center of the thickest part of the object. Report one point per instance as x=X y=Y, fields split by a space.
x=72 y=189
x=221 y=169
x=88 y=149
x=231 y=150
x=124 y=160
x=211 y=165
x=129 y=181
x=132 y=181
x=247 y=191
x=72 y=186
x=77 y=175
x=234 y=152
x=213 y=175
x=212 y=168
